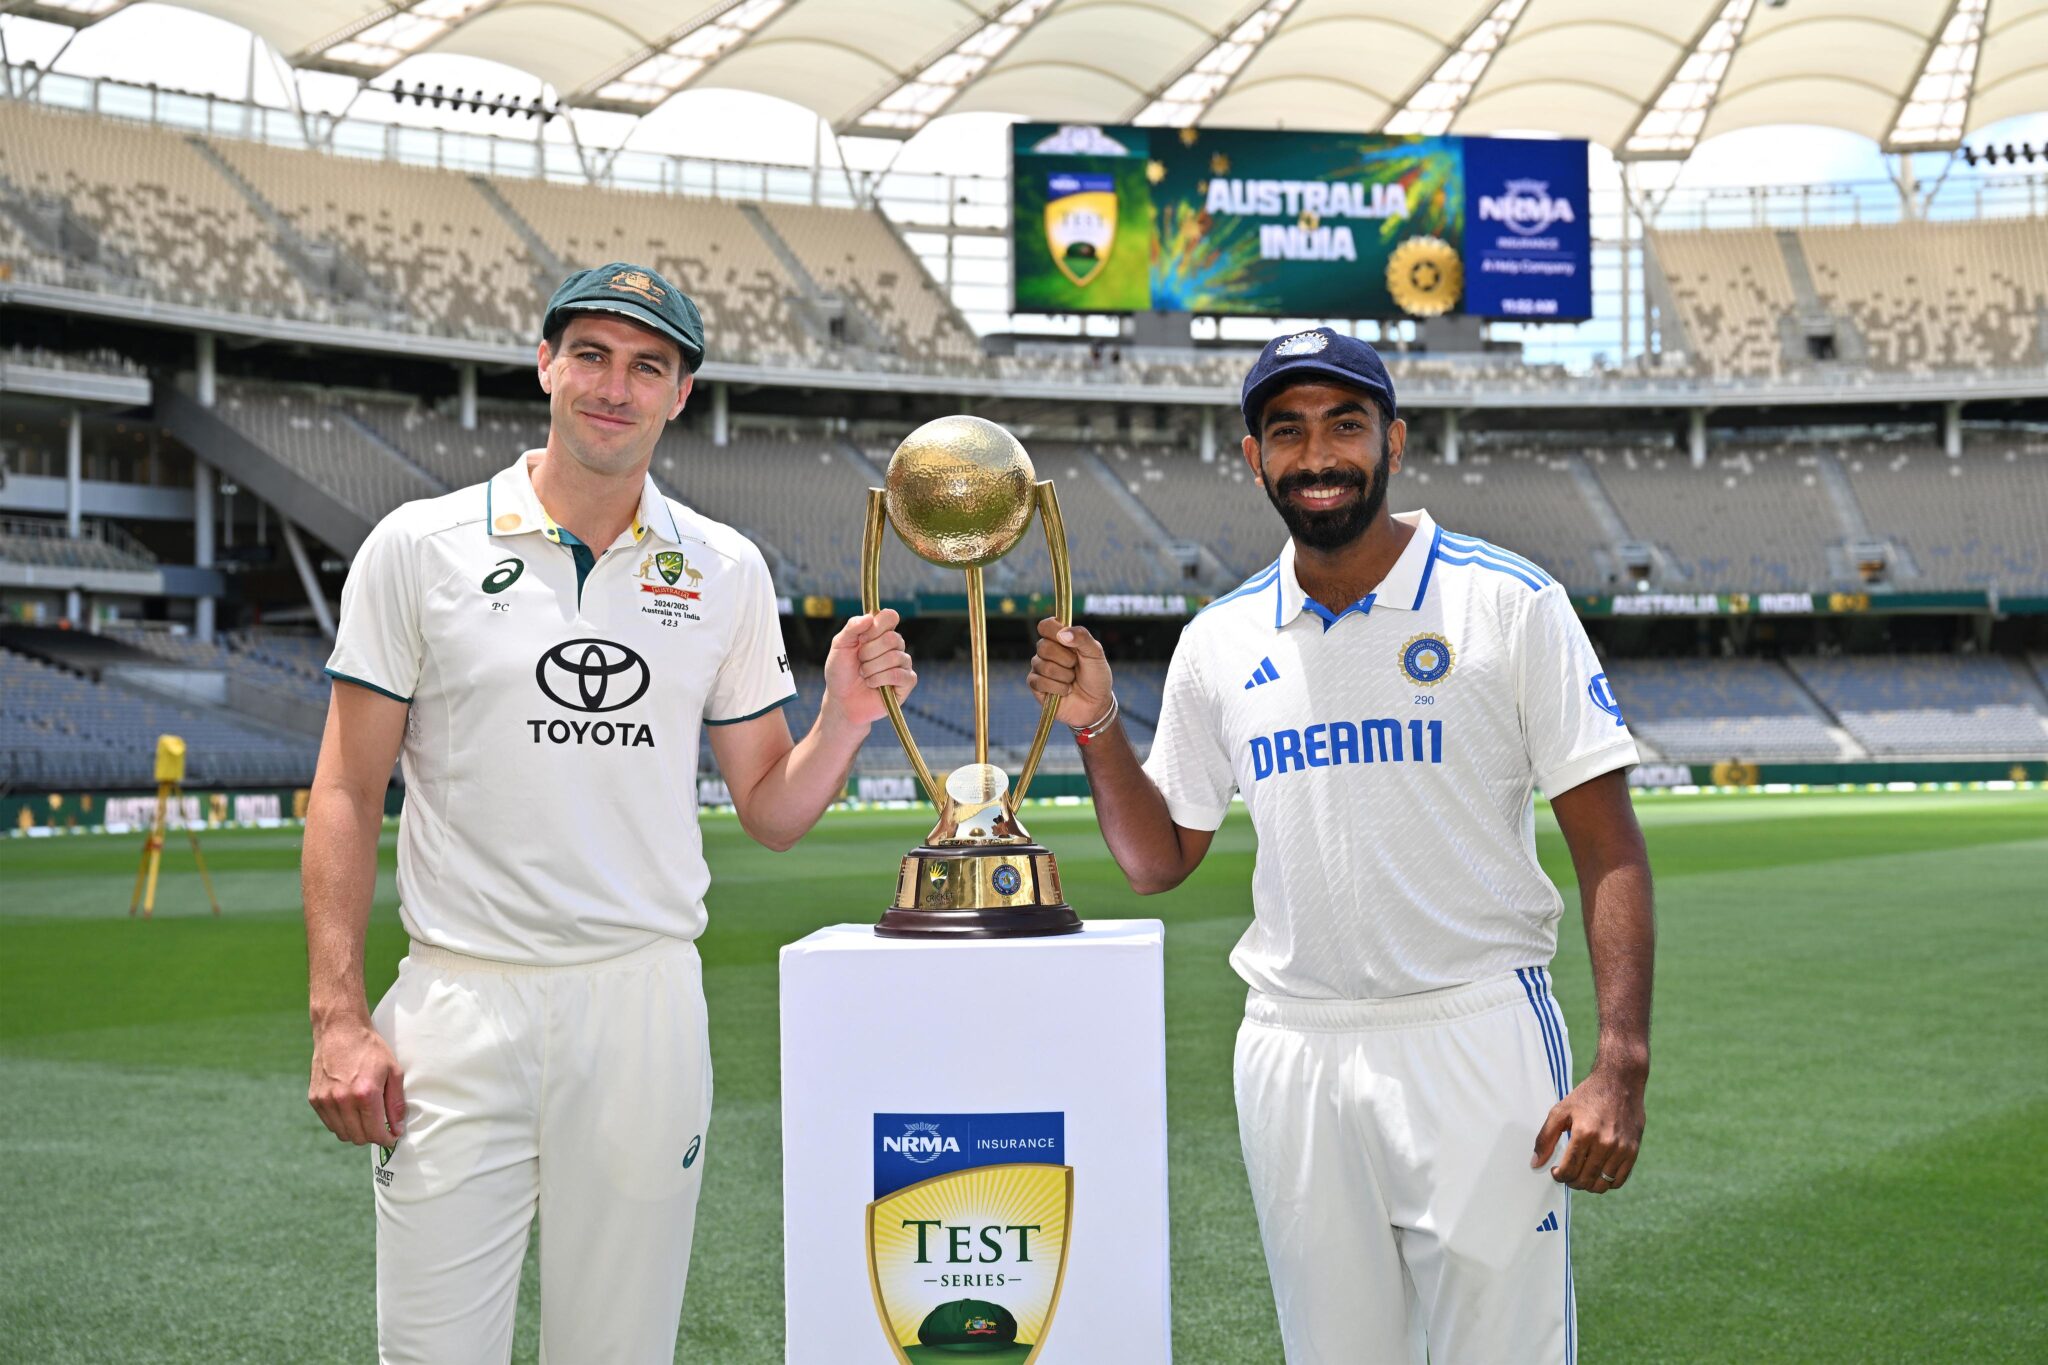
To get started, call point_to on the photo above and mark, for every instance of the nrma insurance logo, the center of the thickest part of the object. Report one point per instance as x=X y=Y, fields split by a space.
x=1525 y=207
x=967 y=1234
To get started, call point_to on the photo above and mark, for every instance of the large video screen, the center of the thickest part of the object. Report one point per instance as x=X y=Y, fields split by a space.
x=1217 y=220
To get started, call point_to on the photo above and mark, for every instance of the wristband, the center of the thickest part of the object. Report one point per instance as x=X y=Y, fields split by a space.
x=1083 y=734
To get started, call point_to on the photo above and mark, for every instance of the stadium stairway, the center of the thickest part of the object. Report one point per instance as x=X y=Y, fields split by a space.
x=265 y=475
x=549 y=268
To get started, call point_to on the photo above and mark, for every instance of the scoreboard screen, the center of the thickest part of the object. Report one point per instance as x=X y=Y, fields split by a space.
x=1236 y=221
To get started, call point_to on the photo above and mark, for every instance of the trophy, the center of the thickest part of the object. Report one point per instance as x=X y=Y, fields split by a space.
x=960 y=493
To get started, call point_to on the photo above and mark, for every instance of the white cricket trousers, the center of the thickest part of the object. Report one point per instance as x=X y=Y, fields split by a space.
x=1388 y=1145
x=578 y=1093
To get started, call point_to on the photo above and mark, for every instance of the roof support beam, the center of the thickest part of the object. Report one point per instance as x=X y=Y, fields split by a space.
x=1669 y=127
x=381 y=40
x=1932 y=114
x=1432 y=105
x=650 y=76
x=1182 y=99
x=917 y=99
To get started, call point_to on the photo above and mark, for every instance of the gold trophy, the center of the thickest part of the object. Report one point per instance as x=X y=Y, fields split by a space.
x=960 y=493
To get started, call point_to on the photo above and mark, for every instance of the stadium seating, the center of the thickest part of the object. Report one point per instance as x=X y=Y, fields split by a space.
x=1705 y=711
x=1732 y=290
x=33 y=540
x=1218 y=504
x=61 y=730
x=436 y=442
x=707 y=247
x=857 y=253
x=1755 y=517
x=1974 y=521
x=1937 y=295
x=166 y=221
x=313 y=432
x=279 y=663
x=1521 y=499
x=805 y=496
x=1110 y=551
x=428 y=239
x=1931 y=705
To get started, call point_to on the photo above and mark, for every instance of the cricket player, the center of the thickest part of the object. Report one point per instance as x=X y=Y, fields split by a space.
x=542 y=649
x=1387 y=695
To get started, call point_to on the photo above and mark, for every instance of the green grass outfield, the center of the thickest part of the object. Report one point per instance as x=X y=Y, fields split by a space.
x=1847 y=1157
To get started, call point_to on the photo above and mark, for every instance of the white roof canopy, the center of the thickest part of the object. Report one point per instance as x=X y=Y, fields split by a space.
x=1647 y=80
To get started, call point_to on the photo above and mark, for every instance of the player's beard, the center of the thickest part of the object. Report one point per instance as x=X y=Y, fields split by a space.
x=1334 y=529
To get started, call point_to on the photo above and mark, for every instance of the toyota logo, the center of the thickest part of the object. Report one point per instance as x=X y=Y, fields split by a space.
x=598 y=669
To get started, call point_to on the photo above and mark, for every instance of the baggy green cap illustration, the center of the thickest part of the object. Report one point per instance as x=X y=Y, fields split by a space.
x=969 y=1327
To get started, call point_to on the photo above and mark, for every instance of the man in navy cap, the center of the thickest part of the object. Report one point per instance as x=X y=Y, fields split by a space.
x=543 y=651
x=1387 y=696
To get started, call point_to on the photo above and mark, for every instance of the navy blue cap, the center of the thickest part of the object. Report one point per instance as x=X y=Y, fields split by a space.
x=1317 y=354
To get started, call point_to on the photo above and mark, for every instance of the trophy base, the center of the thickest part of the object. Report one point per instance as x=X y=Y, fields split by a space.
x=979 y=891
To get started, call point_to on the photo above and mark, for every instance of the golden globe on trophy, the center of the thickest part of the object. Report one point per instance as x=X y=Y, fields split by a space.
x=960 y=493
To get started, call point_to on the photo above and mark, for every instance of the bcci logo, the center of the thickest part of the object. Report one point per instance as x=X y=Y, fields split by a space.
x=967 y=1252
x=1427 y=660
x=1525 y=207
x=1080 y=224
x=1302 y=343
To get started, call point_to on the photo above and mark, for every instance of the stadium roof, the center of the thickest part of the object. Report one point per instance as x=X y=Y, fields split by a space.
x=1644 y=79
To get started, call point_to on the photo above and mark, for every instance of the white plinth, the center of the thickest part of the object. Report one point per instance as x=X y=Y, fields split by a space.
x=1072 y=1026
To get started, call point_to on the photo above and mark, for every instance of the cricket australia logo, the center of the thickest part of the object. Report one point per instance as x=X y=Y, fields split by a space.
x=967 y=1244
x=1080 y=224
x=1525 y=207
x=637 y=282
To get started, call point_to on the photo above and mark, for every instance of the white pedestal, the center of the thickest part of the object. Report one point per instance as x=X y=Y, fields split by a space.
x=904 y=1062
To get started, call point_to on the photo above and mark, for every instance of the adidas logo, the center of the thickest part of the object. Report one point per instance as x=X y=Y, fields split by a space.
x=1264 y=673
x=1549 y=1223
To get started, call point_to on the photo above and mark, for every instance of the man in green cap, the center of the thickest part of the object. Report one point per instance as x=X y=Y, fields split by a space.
x=542 y=650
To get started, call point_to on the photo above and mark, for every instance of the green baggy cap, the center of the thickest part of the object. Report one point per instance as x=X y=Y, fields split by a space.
x=634 y=292
x=969 y=1326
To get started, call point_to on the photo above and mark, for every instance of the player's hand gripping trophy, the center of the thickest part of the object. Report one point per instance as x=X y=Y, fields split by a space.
x=960 y=493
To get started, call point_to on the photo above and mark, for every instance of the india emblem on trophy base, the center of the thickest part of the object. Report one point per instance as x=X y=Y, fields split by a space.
x=960 y=492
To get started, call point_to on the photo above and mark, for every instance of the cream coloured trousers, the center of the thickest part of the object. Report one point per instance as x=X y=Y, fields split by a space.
x=1388 y=1146
x=580 y=1094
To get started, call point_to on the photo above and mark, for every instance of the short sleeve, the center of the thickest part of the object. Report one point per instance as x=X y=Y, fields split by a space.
x=753 y=678
x=1570 y=720
x=1188 y=762
x=377 y=643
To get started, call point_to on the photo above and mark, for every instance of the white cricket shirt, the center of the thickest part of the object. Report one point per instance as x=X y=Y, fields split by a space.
x=1389 y=755
x=550 y=754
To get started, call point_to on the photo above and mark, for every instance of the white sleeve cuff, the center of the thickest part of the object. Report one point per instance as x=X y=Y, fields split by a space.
x=1621 y=754
x=1189 y=816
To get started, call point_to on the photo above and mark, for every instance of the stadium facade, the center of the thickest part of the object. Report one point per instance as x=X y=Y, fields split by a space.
x=1804 y=516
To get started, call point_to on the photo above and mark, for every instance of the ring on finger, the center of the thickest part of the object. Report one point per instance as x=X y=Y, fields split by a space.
x=1610 y=1179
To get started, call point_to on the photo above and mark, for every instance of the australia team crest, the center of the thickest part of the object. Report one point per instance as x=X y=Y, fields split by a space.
x=967 y=1235
x=1080 y=223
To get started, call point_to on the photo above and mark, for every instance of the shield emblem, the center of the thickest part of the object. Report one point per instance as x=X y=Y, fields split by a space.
x=970 y=1263
x=670 y=565
x=1080 y=223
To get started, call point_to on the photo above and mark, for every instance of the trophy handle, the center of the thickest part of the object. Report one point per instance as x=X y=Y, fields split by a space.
x=1062 y=608
x=871 y=602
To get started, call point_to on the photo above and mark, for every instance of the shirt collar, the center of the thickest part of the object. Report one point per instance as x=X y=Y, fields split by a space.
x=513 y=508
x=1402 y=589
